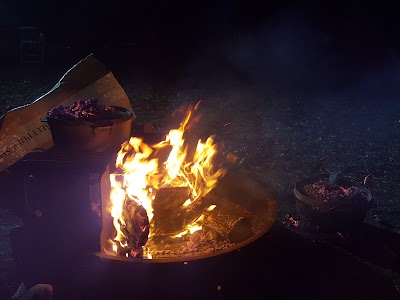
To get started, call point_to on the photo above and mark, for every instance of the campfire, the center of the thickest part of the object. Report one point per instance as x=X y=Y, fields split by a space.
x=163 y=201
x=95 y=195
x=176 y=199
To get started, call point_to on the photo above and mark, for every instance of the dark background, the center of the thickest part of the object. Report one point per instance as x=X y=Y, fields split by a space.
x=307 y=45
x=290 y=34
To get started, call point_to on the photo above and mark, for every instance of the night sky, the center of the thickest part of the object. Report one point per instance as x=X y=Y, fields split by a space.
x=322 y=37
x=94 y=22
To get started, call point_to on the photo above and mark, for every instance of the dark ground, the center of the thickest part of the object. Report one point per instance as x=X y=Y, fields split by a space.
x=291 y=97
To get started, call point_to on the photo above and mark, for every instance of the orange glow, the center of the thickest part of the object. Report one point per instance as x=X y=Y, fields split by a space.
x=140 y=175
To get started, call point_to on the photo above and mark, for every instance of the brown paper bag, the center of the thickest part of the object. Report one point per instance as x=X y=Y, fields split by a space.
x=21 y=129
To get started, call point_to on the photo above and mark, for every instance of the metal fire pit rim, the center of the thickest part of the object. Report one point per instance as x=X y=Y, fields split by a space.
x=270 y=206
x=184 y=259
x=237 y=247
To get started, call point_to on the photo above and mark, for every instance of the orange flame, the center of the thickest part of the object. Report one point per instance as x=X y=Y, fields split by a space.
x=140 y=176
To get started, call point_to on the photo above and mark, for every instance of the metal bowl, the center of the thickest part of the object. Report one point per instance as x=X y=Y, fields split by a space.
x=104 y=133
x=335 y=215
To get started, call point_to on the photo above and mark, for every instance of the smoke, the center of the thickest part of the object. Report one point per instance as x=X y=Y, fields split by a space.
x=292 y=51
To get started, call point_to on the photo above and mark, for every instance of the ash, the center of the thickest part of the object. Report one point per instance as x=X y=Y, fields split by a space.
x=200 y=243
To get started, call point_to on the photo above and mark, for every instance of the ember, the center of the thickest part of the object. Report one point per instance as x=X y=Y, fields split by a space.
x=82 y=109
x=326 y=191
x=332 y=204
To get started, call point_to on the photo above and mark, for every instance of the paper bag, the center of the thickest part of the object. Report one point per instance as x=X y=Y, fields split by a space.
x=21 y=129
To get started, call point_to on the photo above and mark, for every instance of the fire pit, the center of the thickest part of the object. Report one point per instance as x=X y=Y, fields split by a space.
x=67 y=229
x=246 y=212
x=167 y=202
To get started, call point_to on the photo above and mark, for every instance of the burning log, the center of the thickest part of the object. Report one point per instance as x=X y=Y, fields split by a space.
x=135 y=229
x=229 y=220
x=169 y=212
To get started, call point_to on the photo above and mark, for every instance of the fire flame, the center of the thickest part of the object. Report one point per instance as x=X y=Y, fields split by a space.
x=140 y=175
